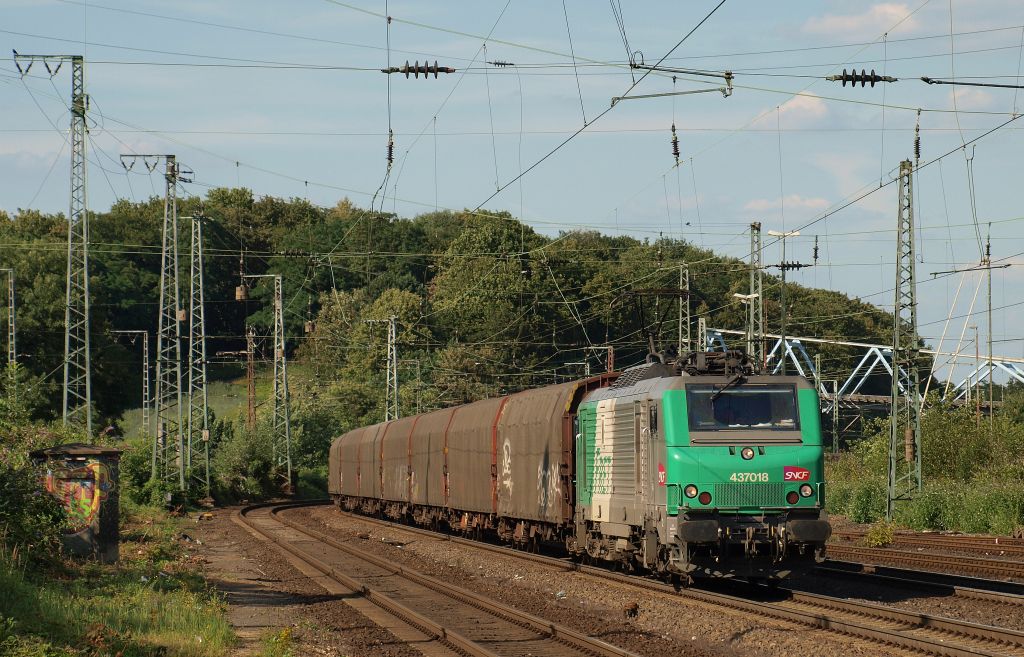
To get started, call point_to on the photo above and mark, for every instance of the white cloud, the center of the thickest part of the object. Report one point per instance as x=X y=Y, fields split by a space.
x=970 y=99
x=793 y=201
x=798 y=111
x=873 y=22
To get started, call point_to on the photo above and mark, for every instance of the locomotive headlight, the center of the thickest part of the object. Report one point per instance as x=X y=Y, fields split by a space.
x=747 y=453
x=806 y=490
x=690 y=491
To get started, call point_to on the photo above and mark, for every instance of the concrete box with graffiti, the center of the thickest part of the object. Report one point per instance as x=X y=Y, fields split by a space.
x=84 y=478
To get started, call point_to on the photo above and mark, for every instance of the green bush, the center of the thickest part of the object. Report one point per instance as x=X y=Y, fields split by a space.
x=31 y=520
x=242 y=468
x=880 y=534
x=837 y=496
x=312 y=483
x=930 y=508
x=867 y=501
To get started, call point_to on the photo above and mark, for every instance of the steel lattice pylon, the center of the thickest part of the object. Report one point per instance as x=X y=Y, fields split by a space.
x=905 y=422
x=755 y=321
x=281 y=438
x=391 y=384
x=168 y=444
x=282 y=415
x=197 y=463
x=685 y=316
x=77 y=402
x=77 y=407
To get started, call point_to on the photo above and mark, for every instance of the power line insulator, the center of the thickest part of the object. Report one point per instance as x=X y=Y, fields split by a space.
x=675 y=143
x=501 y=63
x=917 y=137
x=426 y=68
x=853 y=77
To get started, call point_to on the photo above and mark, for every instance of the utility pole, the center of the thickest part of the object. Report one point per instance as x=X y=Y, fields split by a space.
x=146 y=401
x=12 y=355
x=977 y=378
x=784 y=267
x=756 y=309
x=281 y=428
x=835 y=416
x=905 y=418
x=391 y=391
x=77 y=404
x=198 y=448
x=991 y=373
x=702 y=333
x=685 y=320
x=169 y=449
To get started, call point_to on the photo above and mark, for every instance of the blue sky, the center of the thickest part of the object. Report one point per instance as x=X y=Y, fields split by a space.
x=784 y=149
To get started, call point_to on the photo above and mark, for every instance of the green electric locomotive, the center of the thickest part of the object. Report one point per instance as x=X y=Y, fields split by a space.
x=701 y=468
x=694 y=467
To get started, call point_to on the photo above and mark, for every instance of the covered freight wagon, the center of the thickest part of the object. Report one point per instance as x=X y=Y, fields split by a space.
x=504 y=463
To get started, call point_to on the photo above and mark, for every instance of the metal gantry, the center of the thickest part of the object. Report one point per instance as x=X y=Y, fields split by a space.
x=168 y=461
x=281 y=439
x=905 y=419
x=197 y=464
x=147 y=401
x=77 y=402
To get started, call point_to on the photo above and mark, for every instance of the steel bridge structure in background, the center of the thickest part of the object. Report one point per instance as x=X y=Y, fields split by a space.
x=875 y=359
x=844 y=390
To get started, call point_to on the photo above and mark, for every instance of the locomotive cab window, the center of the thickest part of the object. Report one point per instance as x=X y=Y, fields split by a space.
x=743 y=411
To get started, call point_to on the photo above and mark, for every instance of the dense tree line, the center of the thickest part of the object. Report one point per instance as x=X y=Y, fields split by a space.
x=485 y=303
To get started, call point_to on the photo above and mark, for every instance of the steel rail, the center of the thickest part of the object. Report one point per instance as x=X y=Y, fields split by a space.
x=887 y=625
x=908 y=580
x=430 y=628
x=1006 y=545
x=934 y=562
x=566 y=636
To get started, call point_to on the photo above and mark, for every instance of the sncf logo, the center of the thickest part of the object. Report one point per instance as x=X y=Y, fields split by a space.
x=793 y=473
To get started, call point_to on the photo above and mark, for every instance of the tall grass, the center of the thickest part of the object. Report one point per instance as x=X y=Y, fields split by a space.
x=150 y=604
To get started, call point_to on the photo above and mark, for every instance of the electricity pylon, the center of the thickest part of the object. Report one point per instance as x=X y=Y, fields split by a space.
x=169 y=456
x=905 y=418
x=391 y=390
x=77 y=404
x=197 y=463
x=281 y=438
x=146 y=399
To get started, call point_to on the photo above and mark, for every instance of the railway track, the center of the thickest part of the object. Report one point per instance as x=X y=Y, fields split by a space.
x=461 y=620
x=961 y=587
x=933 y=562
x=983 y=544
x=895 y=627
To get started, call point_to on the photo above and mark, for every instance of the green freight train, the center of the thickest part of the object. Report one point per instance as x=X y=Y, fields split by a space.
x=694 y=468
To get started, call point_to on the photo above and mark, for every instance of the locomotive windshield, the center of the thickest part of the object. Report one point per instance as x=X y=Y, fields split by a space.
x=742 y=408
